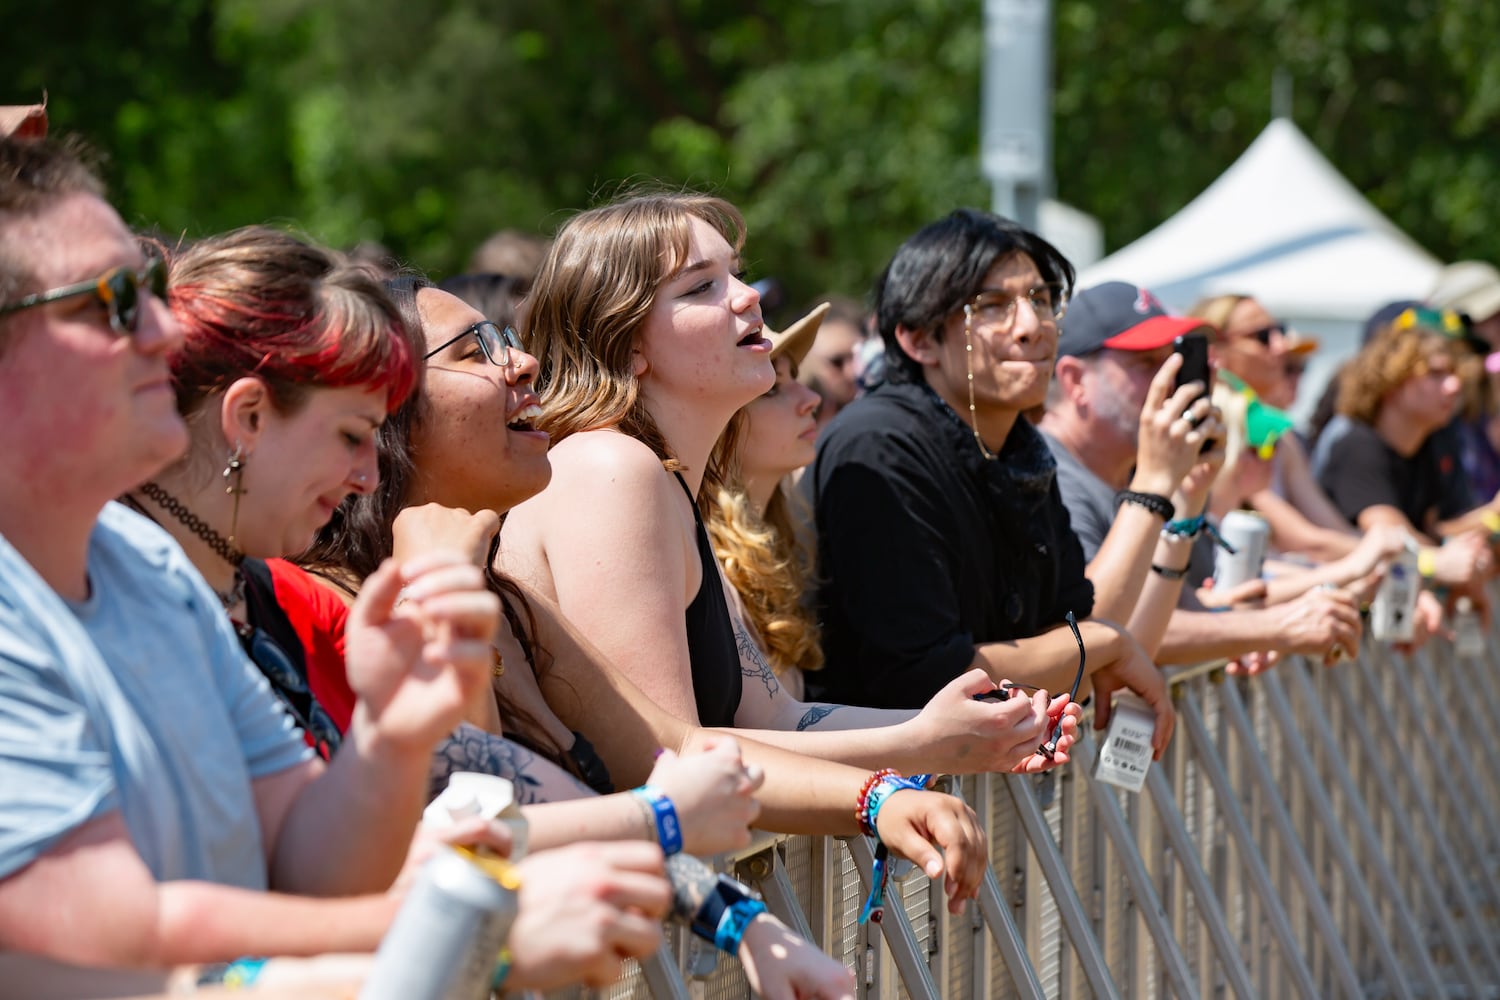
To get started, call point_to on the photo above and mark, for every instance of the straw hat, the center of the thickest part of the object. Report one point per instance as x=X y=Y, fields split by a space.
x=796 y=340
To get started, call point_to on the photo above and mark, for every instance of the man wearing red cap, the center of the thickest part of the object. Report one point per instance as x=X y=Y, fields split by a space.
x=1118 y=431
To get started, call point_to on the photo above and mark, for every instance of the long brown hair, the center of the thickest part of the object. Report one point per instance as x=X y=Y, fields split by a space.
x=593 y=293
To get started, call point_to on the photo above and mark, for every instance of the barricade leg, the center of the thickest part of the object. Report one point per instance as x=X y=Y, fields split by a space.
x=1364 y=900
x=1070 y=907
x=1291 y=846
x=1260 y=878
x=1147 y=901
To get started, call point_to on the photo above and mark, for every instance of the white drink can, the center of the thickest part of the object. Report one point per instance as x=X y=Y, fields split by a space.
x=446 y=939
x=1393 y=612
x=1248 y=534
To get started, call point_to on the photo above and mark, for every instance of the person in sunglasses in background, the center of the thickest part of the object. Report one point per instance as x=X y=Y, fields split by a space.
x=943 y=542
x=151 y=790
x=1118 y=432
x=1254 y=350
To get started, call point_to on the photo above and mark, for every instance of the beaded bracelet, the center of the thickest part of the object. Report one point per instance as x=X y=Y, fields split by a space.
x=664 y=815
x=1153 y=502
x=862 y=801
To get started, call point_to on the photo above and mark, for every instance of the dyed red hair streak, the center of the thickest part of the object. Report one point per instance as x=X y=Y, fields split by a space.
x=257 y=301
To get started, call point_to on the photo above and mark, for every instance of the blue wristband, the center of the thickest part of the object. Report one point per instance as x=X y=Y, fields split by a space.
x=884 y=789
x=668 y=829
x=732 y=924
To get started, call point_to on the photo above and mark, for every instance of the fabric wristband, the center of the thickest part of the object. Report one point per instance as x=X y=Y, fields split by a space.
x=1187 y=527
x=1153 y=502
x=1426 y=563
x=709 y=922
x=664 y=814
x=503 y=962
x=733 y=923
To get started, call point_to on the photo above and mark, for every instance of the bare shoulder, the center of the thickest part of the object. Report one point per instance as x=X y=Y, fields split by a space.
x=605 y=485
x=593 y=458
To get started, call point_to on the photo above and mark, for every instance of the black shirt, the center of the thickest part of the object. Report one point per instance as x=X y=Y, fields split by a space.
x=927 y=548
x=1359 y=470
x=712 y=651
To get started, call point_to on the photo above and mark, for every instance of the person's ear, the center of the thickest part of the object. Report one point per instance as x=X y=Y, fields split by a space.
x=639 y=366
x=243 y=411
x=921 y=346
x=1069 y=377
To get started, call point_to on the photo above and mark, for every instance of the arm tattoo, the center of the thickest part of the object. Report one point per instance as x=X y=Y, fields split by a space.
x=692 y=882
x=815 y=714
x=470 y=748
x=753 y=662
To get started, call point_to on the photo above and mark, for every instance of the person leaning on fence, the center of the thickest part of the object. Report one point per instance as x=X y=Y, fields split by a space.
x=141 y=750
x=942 y=539
x=1380 y=459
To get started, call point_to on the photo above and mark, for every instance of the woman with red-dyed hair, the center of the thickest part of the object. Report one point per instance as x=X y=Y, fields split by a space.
x=291 y=359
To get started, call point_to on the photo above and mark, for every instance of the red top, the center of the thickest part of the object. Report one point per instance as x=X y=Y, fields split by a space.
x=318 y=616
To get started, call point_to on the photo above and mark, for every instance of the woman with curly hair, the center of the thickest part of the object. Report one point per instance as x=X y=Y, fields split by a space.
x=756 y=527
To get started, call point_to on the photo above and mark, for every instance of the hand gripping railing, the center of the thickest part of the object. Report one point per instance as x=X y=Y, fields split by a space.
x=1311 y=832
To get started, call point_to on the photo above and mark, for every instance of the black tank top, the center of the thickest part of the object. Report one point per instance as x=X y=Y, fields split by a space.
x=711 y=648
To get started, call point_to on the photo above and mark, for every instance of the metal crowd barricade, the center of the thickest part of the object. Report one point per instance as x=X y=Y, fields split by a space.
x=1312 y=833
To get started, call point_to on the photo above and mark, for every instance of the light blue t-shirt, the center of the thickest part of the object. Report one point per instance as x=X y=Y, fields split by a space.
x=138 y=700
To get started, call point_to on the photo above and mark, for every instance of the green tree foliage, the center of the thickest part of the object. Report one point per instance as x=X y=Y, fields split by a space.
x=838 y=125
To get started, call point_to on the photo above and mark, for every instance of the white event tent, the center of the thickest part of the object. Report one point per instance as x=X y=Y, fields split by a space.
x=1283 y=225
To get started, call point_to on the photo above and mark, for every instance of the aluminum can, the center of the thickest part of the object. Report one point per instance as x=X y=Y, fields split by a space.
x=1393 y=612
x=1249 y=535
x=447 y=936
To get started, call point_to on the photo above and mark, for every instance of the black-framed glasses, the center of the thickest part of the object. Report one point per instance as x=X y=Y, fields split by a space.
x=1047 y=300
x=493 y=341
x=1265 y=333
x=290 y=688
x=118 y=290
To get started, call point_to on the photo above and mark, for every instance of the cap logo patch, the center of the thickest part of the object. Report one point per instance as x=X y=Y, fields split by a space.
x=1145 y=302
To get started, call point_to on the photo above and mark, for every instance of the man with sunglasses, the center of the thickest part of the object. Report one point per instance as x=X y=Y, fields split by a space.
x=150 y=788
x=1117 y=429
x=942 y=541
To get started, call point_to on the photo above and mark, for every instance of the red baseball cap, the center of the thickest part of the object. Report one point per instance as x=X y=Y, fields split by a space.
x=1122 y=317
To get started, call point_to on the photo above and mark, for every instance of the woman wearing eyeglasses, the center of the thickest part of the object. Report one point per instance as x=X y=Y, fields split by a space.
x=477 y=387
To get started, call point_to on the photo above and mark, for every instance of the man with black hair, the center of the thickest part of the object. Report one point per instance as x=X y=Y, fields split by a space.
x=943 y=543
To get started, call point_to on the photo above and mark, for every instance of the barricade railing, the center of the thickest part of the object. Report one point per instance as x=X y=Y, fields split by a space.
x=1311 y=832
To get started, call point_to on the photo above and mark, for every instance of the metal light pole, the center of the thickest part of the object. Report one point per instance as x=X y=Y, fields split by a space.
x=1016 y=106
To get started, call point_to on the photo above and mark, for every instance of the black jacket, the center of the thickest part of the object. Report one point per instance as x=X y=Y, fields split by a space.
x=926 y=548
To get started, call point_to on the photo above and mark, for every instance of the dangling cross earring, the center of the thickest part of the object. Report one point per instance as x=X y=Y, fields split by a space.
x=234 y=485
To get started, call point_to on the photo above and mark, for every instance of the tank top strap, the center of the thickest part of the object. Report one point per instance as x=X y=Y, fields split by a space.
x=692 y=500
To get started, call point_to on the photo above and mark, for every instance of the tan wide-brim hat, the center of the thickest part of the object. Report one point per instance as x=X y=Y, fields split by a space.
x=24 y=121
x=796 y=340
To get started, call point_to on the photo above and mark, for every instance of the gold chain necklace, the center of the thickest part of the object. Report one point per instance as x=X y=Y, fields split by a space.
x=969 y=370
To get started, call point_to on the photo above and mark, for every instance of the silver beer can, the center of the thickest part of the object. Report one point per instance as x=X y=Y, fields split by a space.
x=1249 y=535
x=447 y=936
x=1393 y=612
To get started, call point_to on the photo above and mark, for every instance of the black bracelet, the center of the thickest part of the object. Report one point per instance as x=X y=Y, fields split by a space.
x=1166 y=572
x=1154 y=502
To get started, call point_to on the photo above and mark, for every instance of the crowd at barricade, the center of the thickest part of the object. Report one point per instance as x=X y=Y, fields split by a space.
x=267 y=652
